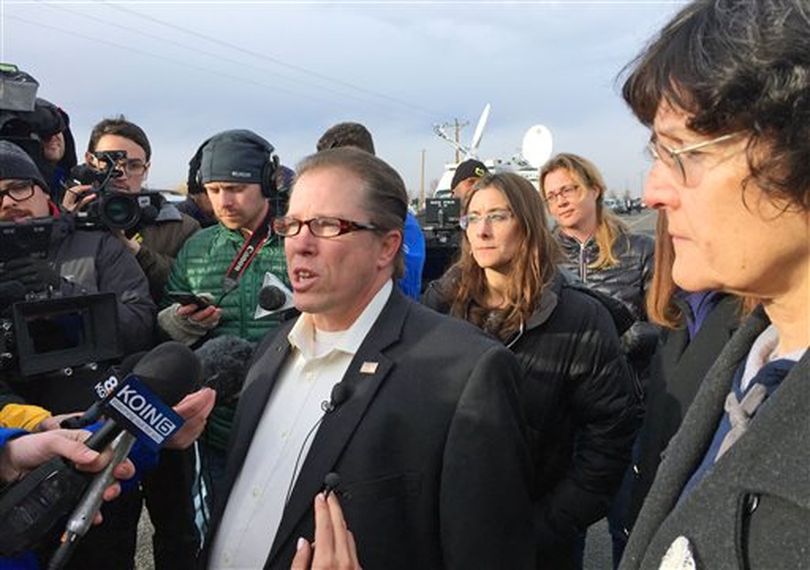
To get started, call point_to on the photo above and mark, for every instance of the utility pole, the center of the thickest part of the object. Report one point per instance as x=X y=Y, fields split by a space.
x=458 y=126
x=422 y=183
x=455 y=139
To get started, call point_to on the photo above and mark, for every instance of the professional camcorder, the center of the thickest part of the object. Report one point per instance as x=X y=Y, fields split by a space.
x=113 y=209
x=43 y=332
x=442 y=236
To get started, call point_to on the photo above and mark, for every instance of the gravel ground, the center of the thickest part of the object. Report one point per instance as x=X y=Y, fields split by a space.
x=597 y=546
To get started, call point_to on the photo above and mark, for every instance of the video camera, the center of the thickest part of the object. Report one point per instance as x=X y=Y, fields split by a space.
x=40 y=332
x=59 y=333
x=18 y=93
x=442 y=213
x=442 y=236
x=113 y=209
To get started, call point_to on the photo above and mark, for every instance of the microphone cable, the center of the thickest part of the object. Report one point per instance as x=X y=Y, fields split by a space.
x=340 y=394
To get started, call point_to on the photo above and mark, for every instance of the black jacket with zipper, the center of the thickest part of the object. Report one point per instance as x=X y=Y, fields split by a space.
x=580 y=401
x=626 y=281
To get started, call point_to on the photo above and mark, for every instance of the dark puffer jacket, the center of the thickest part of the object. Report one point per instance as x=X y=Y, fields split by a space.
x=626 y=281
x=581 y=404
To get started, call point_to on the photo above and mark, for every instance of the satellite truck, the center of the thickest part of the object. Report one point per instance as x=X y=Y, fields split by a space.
x=439 y=219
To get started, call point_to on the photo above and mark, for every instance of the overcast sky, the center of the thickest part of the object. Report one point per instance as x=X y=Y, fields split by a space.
x=289 y=70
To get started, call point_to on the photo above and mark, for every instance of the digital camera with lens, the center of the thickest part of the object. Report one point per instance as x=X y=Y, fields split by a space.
x=113 y=209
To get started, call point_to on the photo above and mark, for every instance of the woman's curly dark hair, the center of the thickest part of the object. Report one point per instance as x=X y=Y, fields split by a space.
x=737 y=65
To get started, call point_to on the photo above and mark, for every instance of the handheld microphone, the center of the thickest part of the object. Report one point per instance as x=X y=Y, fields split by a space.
x=31 y=509
x=225 y=362
x=169 y=371
x=116 y=374
x=271 y=298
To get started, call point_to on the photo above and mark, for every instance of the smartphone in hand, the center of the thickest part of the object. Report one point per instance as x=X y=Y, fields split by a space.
x=186 y=298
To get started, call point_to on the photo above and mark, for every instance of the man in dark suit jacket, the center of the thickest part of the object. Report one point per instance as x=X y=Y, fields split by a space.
x=424 y=430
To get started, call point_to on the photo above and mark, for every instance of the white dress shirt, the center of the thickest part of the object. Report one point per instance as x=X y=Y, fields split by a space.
x=318 y=361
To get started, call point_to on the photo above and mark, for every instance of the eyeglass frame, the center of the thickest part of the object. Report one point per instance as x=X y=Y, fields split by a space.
x=345 y=226
x=675 y=153
x=568 y=191
x=30 y=184
x=464 y=221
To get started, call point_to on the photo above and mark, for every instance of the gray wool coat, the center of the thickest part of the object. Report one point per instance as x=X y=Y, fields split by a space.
x=753 y=509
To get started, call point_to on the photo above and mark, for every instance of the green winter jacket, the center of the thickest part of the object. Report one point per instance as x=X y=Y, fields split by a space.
x=200 y=267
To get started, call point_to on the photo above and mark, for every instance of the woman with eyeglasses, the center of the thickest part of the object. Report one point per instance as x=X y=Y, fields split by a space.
x=695 y=326
x=577 y=392
x=598 y=247
x=724 y=90
x=602 y=252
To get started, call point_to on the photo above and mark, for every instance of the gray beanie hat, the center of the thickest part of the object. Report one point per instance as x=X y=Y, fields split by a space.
x=15 y=164
x=235 y=156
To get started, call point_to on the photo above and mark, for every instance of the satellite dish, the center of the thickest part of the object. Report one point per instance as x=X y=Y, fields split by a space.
x=536 y=148
x=479 y=132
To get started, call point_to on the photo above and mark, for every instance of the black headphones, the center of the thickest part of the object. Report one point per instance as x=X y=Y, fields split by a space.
x=268 y=185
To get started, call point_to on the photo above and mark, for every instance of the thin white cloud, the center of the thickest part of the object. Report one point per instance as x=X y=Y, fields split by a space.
x=288 y=71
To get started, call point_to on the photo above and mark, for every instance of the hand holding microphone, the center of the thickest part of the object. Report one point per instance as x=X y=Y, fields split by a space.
x=334 y=545
x=32 y=509
x=25 y=453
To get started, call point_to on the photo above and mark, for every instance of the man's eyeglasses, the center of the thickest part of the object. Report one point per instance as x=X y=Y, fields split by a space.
x=686 y=161
x=495 y=217
x=566 y=192
x=18 y=191
x=319 y=227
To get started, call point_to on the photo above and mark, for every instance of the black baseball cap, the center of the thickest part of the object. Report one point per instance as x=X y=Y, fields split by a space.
x=470 y=168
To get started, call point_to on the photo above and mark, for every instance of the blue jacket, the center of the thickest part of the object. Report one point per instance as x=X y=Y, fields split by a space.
x=414 y=248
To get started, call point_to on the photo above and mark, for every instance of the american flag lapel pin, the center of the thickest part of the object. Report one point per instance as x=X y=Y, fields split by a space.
x=368 y=367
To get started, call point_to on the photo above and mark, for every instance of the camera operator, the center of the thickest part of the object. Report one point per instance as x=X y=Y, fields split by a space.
x=167 y=490
x=52 y=125
x=78 y=263
x=154 y=243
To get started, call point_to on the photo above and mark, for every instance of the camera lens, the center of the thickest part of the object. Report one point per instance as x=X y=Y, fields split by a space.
x=120 y=211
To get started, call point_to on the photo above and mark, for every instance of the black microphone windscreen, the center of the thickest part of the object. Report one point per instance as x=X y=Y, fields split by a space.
x=331 y=481
x=271 y=298
x=340 y=393
x=171 y=370
x=129 y=362
x=224 y=362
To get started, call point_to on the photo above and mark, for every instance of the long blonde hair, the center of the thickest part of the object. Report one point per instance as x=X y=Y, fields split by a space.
x=531 y=270
x=609 y=228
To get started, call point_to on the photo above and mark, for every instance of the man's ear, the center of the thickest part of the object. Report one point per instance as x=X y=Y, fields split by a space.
x=391 y=243
x=146 y=170
x=88 y=157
